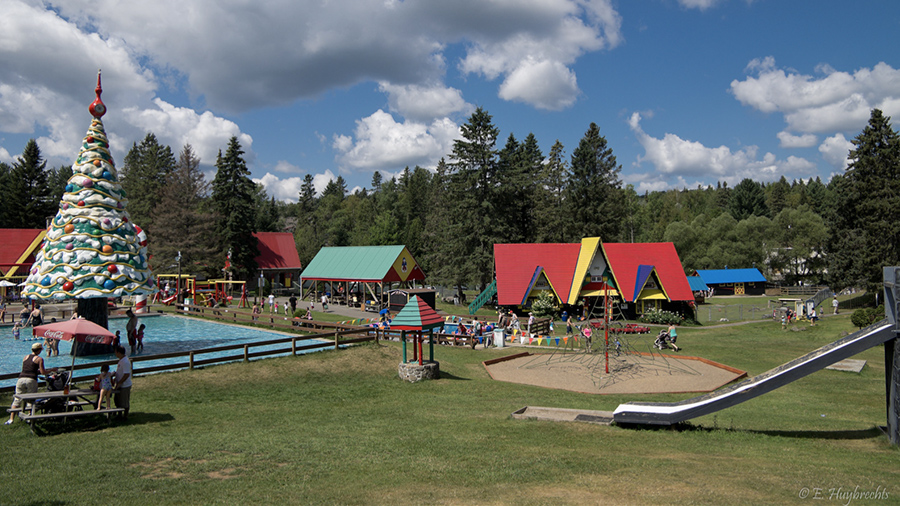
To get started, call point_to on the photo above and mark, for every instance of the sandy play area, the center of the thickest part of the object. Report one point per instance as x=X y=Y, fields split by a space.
x=629 y=373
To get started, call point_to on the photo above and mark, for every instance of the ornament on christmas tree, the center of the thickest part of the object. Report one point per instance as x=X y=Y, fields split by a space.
x=91 y=248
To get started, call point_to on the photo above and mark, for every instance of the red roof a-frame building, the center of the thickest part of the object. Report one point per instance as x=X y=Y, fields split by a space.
x=645 y=274
x=17 y=250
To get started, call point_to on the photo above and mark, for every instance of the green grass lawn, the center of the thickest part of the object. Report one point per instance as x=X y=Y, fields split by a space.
x=339 y=427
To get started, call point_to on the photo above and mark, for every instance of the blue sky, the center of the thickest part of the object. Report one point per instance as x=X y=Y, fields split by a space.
x=686 y=92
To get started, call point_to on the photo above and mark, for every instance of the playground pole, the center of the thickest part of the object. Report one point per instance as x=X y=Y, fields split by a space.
x=606 y=320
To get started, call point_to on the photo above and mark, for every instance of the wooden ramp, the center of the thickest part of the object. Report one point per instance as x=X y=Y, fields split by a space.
x=668 y=413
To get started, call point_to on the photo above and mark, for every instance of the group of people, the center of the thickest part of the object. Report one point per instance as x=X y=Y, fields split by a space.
x=482 y=331
x=33 y=317
x=134 y=333
x=118 y=383
x=788 y=316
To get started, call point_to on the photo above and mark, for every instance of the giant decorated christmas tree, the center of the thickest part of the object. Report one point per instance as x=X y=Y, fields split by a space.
x=92 y=251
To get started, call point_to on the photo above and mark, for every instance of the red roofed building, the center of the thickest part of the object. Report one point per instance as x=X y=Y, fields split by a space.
x=278 y=260
x=648 y=271
x=640 y=275
x=525 y=270
x=17 y=247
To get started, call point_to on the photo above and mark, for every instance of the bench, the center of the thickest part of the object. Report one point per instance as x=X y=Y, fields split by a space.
x=69 y=414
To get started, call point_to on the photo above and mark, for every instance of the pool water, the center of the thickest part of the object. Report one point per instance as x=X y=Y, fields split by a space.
x=163 y=334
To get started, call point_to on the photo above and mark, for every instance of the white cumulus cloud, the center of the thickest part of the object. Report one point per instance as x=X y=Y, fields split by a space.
x=545 y=52
x=789 y=140
x=286 y=190
x=177 y=126
x=698 y=4
x=835 y=150
x=382 y=143
x=425 y=103
x=545 y=84
x=832 y=101
x=674 y=157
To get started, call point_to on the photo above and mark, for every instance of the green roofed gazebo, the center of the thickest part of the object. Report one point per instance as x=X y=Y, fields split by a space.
x=364 y=270
x=418 y=316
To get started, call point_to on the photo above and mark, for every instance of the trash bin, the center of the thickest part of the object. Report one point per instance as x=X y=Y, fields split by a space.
x=188 y=303
x=499 y=338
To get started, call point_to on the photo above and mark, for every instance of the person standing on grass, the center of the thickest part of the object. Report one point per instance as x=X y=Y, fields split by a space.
x=834 y=304
x=122 y=382
x=569 y=326
x=105 y=379
x=27 y=383
x=271 y=302
x=293 y=302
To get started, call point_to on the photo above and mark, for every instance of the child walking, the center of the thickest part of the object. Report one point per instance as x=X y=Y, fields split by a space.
x=105 y=386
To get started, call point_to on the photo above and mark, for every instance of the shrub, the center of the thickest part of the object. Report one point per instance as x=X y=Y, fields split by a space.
x=544 y=306
x=659 y=316
x=864 y=317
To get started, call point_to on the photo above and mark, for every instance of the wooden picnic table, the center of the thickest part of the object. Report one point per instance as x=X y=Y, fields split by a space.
x=73 y=405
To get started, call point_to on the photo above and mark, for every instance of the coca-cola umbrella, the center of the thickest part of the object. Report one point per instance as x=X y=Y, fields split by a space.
x=78 y=330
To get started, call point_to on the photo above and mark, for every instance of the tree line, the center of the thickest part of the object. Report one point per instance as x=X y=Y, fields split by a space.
x=840 y=233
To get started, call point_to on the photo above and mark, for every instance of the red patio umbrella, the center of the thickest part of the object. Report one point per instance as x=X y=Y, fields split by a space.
x=78 y=330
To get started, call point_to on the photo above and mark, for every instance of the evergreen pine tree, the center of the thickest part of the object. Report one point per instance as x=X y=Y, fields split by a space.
x=748 y=199
x=182 y=224
x=549 y=193
x=436 y=259
x=306 y=234
x=56 y=181
x=776 y=195
x=474 y=194
x=5 y=218
x=519 y=167
x=593 y=195
x=865 y=223
x=28 y=196
x=146 y=167
x=232 y=198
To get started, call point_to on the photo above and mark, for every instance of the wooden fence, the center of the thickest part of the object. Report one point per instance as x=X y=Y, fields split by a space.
x=336 y=334
x=340 y=336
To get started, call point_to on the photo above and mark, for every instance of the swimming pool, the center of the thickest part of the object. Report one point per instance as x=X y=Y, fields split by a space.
x=164 y=334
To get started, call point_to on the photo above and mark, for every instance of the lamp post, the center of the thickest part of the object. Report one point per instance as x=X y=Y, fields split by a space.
x=262 y=284
x=178 y=279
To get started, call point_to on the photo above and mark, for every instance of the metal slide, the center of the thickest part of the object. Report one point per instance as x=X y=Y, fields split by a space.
x=668 y=413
